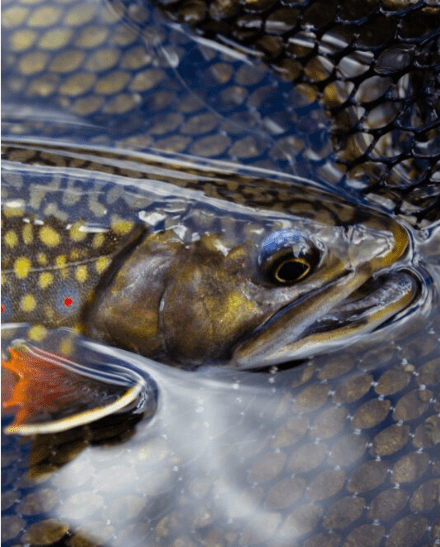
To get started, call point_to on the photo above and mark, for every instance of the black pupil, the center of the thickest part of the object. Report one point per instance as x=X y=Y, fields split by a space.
x=291 y=270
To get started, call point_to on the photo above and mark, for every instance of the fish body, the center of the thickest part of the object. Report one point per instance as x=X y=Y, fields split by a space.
x=188 y=280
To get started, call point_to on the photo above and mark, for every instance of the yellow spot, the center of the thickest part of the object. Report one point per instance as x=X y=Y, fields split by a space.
x=46 y=279
x=76 y=231
x=14 y=16
x=49 y=236
x=81 y=273
x=55 y=38
x=32 y=63
x=22 y=39
x=3 y=278
x=28 y=303
x=91 y=37
x=22 y=266
x=112 y=83
x=77 y=84
x=120 y=103
x=11 y=238
x=67 y=61
x=28 y=235
x=87 y=105
x=98 y=240
x=61 y=263
x=120 y=226
x=42 y=259
x=80 y=14
x=37 y=333
x=102 y=264
x=74 y=254
x=13 y=210
x=66 y=346
x=102 y=59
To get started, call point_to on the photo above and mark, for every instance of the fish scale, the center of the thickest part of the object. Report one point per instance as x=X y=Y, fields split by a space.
x=343 y=448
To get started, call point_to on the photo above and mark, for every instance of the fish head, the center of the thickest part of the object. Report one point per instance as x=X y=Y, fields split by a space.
x=261 y=292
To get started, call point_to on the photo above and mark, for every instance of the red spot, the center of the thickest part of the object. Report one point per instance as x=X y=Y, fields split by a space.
x=3 y=308
x=68 y=301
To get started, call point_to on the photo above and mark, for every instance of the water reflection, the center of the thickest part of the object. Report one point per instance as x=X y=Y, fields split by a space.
x=341 y=448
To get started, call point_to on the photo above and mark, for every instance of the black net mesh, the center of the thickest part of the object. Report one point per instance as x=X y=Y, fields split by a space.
x=345 y=92
x=374 y=66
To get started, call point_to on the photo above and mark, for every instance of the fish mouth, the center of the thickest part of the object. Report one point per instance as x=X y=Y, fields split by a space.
x=330 y=317
x=380 y=295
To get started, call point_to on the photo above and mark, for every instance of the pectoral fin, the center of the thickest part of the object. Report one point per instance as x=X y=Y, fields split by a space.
x=53 y=394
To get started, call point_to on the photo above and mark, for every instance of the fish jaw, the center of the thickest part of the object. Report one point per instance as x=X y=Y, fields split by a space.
x=319 y=324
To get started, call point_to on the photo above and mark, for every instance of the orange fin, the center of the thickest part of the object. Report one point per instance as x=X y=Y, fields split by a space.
x=54 y=394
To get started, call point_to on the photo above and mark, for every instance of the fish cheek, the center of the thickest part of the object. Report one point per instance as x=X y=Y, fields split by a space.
x=205 y=312
x=126 y=313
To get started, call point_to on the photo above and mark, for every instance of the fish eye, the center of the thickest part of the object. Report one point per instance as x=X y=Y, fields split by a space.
x=287 y=256
x=290 y=270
